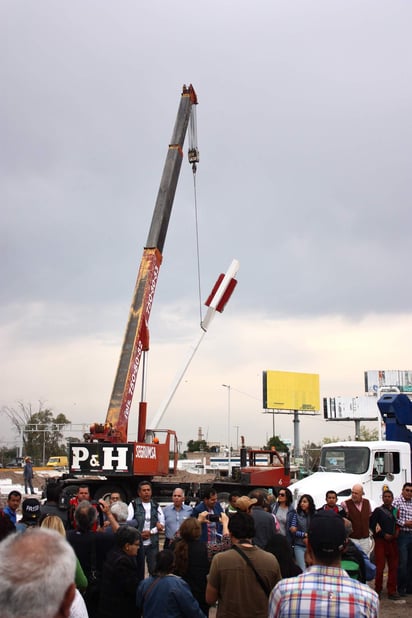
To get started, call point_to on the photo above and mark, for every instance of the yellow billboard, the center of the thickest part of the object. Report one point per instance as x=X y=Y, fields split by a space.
x=287 y=390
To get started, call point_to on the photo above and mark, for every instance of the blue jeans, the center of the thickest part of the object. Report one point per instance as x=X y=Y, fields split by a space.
x=28 y=483
x=300 y=556
x=150 y=552
x=405 y=554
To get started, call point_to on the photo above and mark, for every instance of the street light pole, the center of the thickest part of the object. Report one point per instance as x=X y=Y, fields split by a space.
x=228 y=426
x=237 y=438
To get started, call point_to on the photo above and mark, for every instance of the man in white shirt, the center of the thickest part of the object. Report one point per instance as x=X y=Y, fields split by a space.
x=150 y=521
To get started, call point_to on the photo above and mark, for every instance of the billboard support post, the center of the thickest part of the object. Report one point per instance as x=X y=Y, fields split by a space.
x=357 y=428
x=296 y=433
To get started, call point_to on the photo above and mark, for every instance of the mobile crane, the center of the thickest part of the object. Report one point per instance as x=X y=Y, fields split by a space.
x=106 y=450
x=106 y=457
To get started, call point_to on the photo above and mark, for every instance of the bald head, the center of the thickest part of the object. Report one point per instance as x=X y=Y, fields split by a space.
x=357 y=493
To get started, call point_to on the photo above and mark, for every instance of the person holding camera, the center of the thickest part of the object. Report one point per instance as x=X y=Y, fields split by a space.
x=223 y=542
x=211 y=527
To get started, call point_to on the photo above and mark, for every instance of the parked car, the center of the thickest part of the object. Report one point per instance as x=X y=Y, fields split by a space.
x=18 y=462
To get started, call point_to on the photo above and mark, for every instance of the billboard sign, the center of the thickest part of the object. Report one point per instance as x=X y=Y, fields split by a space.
x=376 y=379
x=287 y=390
x=352 y=408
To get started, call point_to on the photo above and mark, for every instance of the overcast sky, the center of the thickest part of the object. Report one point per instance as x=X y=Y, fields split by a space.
x=304 y=128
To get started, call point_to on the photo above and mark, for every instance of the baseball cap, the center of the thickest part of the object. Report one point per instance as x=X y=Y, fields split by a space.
x=30 y=509
x=243 y=503
x=327 y=532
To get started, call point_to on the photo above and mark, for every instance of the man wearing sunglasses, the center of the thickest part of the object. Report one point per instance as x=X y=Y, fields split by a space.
x=404 y=506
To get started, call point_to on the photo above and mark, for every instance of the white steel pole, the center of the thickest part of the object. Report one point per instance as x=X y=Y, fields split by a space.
x=210 y=314
x=228 y=427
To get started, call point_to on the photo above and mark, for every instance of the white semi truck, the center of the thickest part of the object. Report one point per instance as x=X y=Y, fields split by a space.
x=375 y=465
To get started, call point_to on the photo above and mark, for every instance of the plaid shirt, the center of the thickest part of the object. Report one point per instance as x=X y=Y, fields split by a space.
x=404 y=512
x=323 y=592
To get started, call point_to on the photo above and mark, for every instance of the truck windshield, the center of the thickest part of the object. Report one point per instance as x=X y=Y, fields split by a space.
x=351 y=459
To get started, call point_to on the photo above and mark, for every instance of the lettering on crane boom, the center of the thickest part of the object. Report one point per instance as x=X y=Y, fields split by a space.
x=99 y=458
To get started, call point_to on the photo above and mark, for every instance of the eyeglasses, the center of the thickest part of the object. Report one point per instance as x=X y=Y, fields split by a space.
x=279 y=495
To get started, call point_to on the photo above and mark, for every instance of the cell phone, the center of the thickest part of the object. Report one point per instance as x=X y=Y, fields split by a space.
x=213 y=517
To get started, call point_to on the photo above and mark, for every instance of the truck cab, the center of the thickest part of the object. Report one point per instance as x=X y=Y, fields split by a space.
x=375 y=465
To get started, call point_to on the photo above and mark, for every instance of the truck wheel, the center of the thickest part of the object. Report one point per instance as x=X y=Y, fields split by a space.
x=104 y=491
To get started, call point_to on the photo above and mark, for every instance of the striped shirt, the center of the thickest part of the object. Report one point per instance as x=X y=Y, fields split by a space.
x=404 y=507
x=323 y=592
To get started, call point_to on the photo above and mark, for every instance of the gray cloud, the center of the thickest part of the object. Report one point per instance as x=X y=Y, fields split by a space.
x=304 y=135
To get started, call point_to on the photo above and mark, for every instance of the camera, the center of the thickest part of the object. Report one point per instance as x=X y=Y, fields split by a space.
x=213 y=518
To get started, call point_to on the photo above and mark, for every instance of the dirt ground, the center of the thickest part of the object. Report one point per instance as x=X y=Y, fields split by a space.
x=388 y=609
x=16 y=477
x=395 y=609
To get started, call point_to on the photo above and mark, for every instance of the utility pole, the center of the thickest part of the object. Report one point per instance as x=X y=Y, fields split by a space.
x=228 y=426
x=237 y=437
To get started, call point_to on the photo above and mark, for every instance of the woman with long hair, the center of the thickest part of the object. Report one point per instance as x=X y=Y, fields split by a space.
x=191 y=559
x=300 y=526
x=78 y=608
x=284 y=511
x=120 y=575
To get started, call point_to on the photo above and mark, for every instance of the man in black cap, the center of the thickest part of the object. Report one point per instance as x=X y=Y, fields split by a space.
x=30 y=514
x=324 y=589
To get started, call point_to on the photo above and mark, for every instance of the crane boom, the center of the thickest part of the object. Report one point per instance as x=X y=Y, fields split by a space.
x=136 y=336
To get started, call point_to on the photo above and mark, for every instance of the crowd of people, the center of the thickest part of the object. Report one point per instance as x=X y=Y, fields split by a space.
x=260 y=556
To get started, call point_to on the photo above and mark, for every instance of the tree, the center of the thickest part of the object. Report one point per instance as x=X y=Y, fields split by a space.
x=277 y=443
x=44 y=435
x=329 y=440
x=368 y=435
x=7 y=454
x=365 y=435
x=41 y=431
x=197 y=445
x=20 y=415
